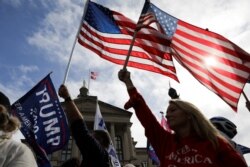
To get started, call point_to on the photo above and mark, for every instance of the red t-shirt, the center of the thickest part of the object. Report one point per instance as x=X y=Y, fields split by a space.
x=181 y=152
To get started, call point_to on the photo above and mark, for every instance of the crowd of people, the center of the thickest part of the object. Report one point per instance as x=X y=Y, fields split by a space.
x=195 y=141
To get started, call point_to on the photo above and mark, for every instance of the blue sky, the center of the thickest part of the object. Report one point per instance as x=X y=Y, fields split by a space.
x=37 y=37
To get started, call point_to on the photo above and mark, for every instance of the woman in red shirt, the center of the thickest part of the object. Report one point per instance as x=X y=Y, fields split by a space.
x=195 y=141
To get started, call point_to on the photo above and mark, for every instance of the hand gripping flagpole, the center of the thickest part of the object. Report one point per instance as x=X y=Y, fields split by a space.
x=74 y=44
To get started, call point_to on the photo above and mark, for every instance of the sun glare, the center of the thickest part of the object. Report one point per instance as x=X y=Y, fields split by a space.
x=210 y=61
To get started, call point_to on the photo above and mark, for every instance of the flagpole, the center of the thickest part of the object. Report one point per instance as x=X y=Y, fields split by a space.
x=89 y=81
x=130 y=49
x=134 y=36
x=245 y=96
x=247 y=101
x=74 y=44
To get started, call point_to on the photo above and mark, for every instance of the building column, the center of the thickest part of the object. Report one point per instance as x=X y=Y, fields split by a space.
x=126 y=146
x=112 y=132
x=131 y=145
x=129 y=153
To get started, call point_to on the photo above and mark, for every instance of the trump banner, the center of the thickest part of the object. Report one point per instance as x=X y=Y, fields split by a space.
x=44 y=124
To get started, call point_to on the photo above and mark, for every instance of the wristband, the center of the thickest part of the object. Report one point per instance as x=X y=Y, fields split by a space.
x=67 y=99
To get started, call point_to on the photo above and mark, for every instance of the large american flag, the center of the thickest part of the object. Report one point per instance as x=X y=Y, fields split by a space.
x=213 y=60
x=109 y=34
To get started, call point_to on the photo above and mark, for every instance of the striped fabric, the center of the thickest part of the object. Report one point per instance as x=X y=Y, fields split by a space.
x=109 y=34
x=213 y=60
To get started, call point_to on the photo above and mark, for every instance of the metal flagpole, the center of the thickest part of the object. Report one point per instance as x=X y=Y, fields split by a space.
x=245 y=96
x=134 y=36
x=74 y=44
x=130 y=49
x=247 y=100
x=89 y=81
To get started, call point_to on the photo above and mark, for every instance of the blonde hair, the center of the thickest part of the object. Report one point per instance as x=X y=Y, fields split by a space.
x=8 y=123
x=201 y=126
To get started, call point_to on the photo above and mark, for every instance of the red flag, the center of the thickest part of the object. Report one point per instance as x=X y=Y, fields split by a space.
x=109 y=34
x=196 y=48
x=93 y=75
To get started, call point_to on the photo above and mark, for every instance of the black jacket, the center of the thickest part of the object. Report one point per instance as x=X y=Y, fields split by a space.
x=93 y=154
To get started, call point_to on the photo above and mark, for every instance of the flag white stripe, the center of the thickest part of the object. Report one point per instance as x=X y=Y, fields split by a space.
x=221 y=87
x=120 y=46
x=123 y=36
x=220 y=65
x=132 y=58
x=209 y=49
x=206 y=37
x=122 y=57
x=208 y=78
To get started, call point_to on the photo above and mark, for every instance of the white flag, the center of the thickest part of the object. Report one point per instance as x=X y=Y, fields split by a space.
x=99 y=124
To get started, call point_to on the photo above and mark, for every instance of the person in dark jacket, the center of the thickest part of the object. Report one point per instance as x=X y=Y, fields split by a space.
x=93 y=146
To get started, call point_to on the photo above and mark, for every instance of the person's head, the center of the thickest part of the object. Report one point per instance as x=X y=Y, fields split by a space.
x=102 y=137
x=182 y=113
x=224 y=125
x=73 y=162
x=4 y=100
x=7 y=123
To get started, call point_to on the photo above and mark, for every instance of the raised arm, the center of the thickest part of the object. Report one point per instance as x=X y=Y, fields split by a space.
x=71 y=109
x=88 y=145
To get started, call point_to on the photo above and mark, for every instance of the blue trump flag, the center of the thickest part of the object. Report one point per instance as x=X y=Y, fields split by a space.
x=152 y=155
x=44 y=124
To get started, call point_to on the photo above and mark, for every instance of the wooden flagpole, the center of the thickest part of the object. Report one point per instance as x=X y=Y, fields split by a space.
x=74 y=44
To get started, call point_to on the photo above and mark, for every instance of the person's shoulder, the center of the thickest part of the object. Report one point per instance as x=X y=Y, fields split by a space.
x=15 y=146
x=226 y=145
x=10 y=143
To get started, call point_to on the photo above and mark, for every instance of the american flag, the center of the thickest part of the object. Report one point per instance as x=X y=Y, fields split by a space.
x=93 y=75
x=213 y=60
x=109 y=34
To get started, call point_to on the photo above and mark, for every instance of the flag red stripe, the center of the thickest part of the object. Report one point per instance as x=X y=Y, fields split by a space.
x=201 y=53
x=193 y=48
x=140 y=41
x=207 y=82
x=211 y=80
x=202 y=31
x=199 y=67
x=149 y=50
x=215 y=46
x=130 y=63
x=124 y=51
